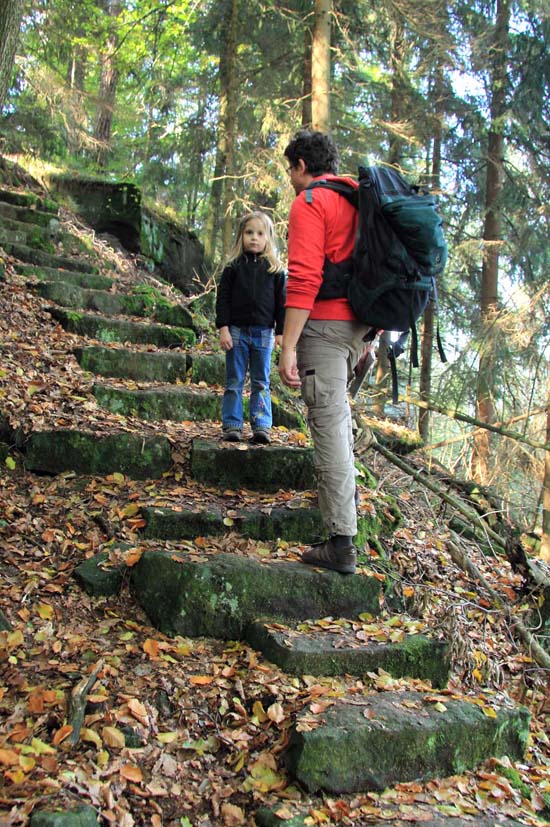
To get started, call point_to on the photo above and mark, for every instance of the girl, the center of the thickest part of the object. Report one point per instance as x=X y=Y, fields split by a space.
x=249 y=305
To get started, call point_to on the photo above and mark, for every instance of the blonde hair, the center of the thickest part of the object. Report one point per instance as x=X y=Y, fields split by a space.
x=270 y=253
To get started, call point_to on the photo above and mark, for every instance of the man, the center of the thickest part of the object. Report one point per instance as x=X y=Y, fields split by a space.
x=322 y=338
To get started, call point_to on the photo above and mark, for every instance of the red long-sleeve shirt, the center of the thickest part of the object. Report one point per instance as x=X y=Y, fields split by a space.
x=325 y=227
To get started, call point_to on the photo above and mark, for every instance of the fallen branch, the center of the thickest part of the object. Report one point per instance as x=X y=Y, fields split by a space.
x=77 y=702
x=517 y=627
x=421 y=477
x=470 y=420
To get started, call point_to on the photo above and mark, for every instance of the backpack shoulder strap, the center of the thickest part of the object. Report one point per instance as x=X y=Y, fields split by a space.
x=350 y=193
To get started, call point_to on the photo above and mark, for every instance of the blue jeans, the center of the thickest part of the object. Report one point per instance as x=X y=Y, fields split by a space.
x=252 y=347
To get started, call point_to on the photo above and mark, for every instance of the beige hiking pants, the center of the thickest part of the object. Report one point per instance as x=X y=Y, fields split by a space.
x=327 y=353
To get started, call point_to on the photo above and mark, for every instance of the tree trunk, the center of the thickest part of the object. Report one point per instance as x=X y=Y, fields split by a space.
x=108 y=80
x=10 y=21
x=397 y=91
x=230 y=124
x=480 y=464
x=545 y=540
x=320 y=66
x=426 y=346
x=307 y=116
x=382 y=378
x=220 y=167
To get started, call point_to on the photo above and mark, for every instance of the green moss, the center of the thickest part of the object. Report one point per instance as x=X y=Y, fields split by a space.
x=74 y=317
x=517 y=783
x=151 y=297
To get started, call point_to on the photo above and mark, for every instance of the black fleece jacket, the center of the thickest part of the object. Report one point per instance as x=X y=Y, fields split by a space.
x=249 y=295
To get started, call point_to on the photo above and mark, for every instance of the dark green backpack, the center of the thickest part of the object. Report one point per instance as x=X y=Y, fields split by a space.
x=399 y=253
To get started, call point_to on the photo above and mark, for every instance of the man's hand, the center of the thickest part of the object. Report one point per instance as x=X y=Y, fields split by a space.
x=226 y=342
x=288 y=368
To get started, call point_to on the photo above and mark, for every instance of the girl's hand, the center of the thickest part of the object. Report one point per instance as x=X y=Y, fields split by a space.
x=279 y=341
x=226 y=342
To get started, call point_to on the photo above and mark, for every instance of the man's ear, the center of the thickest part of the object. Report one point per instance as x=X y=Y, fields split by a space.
x=301 y=166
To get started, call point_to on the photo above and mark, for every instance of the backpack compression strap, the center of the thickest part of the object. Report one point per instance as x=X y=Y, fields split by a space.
x=350 y=193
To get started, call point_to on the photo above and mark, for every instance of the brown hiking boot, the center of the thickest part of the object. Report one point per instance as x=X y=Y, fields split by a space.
x=326 y=556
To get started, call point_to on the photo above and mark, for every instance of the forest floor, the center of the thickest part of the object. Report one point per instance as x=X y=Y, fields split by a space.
x=211 y=718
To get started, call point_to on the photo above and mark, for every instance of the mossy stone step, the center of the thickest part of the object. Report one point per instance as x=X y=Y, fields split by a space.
x=30 y=216
x=123 y=363
x=135 y=455
x=33 y=256
x=302 y=524
x=97 y=577
x=221 y=595
x=208 y=368
x=9 y=237
x=112 y=304
x=28 y=199
x=266 y=817
x=180 y=404
x=324 y=653
x=92 y=280
x=34 y=234
x=81 y=816
x=119 y=330
x=259 y=468
x=376 y=741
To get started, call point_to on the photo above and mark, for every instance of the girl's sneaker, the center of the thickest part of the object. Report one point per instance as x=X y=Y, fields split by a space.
x=261 y=436
x=231 y=435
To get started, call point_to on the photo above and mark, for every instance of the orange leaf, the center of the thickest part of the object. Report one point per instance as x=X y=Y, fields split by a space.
x=201 y=680
x=9 y=757
x=62 y=733
x=137 y=709
x=136 y=522
x=36 y=701
x=151 y=648
x=133 y=556
x=131 y=773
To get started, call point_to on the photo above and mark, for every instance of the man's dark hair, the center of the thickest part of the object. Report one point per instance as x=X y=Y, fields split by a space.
x=317 y=150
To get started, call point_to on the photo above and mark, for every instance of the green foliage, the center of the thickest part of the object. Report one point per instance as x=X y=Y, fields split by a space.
x=151 y=297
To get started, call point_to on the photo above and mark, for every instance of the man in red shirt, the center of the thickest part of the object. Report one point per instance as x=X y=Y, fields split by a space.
x=322 y=338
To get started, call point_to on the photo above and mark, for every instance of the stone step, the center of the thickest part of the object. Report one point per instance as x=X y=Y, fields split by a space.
x=81 y=815
x=9 y=237
x=270 y=817
x=208 y=368
x=36 y=234
x=352 y=647
x=29 y=200
x=259 y=468
x=301 y=523
x=33 y=256
x=112 y=304
x=91 y=280
x=123 y=363
x=137 y=456
x=371 y=742
x=179 y=404
x=119 y=330
x=27 y=215
x=220 y=595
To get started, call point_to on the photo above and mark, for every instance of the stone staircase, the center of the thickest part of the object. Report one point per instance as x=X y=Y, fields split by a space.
x=306 y=621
